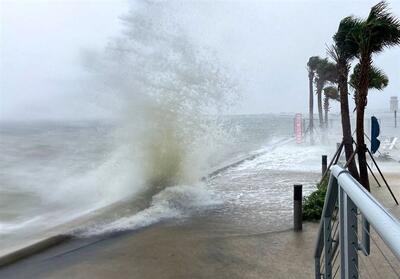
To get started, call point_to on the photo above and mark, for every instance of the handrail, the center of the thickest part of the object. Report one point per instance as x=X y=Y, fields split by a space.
x=385 y=224
x=352 y=197
x=326 y=211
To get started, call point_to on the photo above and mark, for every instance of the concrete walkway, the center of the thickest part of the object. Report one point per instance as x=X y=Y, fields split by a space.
x=192 y=250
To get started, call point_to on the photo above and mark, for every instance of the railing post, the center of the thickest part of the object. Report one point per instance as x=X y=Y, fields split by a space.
x=324 y=163
x=298 y=207
x=317 y=268
x=348 y=239
x=328 y=247
x=365 y=244
x=341 y=232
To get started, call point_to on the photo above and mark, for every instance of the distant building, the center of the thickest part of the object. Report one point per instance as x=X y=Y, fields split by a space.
x=394 y=104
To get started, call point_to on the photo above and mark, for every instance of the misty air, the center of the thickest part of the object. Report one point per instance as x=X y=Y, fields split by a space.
x=199 y=139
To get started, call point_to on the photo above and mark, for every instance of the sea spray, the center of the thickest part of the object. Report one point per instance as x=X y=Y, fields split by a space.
x=164 y=86
x=165 y=94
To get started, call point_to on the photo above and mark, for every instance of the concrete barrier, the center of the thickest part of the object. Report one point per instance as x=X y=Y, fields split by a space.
x=33 y=249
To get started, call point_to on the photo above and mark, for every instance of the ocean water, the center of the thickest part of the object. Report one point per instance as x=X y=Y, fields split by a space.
x=55 y=172
x=45 y=170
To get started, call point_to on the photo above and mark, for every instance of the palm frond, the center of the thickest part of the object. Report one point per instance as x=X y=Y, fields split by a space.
x=383 y=28
x=331 y=92
x=377 y=79
x=326 y=72
x=313 y=62
x=346 y=45
x=332 y=52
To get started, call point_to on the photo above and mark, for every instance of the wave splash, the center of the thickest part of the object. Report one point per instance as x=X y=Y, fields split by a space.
x=160 y=88
x=173 y=202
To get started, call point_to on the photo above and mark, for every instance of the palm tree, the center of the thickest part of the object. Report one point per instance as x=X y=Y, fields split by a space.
x=326 y=72
x=377 y=78
x=311 y=67
x=342 y=52
x=379 y=31
x=330 y=93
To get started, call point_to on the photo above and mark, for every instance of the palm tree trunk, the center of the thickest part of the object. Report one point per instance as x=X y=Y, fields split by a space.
x=311 y=102
x=326 y=109
x=319 y=95
x=362 y=92
x=326 y=118
x=345 y=117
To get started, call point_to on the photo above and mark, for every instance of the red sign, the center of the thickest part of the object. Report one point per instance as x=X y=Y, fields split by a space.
x=298 y=128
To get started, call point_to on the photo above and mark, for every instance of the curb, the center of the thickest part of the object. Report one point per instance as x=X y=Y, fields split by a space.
x=33 y=249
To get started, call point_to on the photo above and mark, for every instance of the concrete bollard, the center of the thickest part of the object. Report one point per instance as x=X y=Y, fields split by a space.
x=324 y=163
x=298 y=207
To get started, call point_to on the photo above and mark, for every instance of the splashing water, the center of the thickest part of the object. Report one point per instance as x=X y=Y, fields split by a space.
x=161 y=86
x=160 y=89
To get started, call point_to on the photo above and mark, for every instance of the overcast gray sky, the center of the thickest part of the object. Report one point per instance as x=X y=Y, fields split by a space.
x=267 y=43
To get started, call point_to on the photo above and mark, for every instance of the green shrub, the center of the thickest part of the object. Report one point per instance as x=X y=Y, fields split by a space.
x=314 y=203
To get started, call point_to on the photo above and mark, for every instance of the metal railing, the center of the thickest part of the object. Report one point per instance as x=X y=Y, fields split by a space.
x=346 y=200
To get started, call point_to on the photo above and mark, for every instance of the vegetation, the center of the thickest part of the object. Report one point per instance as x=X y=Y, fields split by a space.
x=379 y=31
x=330 y=93
x=342 y=52
x=314 y=203
x=325 y=72
x=312 y=67
x=320 y=71
x=355 y=39
x=377 y=78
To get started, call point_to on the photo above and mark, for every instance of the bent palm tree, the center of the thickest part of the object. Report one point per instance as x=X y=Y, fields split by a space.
x=330 y=93
x=342 y=52
x=311 y=67
x=379 y=31
x=326 y=72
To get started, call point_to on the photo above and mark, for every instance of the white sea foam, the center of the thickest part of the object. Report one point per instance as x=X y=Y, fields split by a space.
x=173 y=202
x=290 y=157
